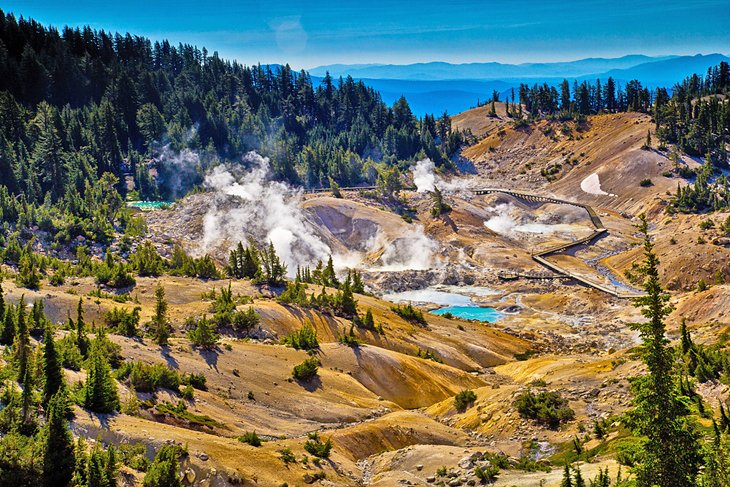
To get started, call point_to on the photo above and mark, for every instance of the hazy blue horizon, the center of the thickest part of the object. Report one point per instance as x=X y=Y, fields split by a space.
x=308 y=34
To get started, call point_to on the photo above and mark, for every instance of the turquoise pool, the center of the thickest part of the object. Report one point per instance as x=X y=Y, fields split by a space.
x=489 y=315
x=149 y=205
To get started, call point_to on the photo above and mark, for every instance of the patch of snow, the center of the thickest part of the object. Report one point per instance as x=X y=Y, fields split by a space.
x=592 y=185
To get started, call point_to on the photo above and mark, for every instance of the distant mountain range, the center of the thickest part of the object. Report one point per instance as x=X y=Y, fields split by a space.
x=484 y=71
x=438 y=86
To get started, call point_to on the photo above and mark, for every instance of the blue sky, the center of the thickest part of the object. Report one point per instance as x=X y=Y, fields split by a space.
x=311 y=33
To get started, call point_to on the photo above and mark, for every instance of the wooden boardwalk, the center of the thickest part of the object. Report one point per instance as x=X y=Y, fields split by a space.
x=539 y=257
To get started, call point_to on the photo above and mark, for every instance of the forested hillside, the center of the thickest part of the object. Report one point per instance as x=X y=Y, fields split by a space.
x=81 y=110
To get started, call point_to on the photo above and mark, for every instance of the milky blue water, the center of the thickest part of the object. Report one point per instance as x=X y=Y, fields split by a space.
x=459 y=305
x=489 y=315
x=149 y=205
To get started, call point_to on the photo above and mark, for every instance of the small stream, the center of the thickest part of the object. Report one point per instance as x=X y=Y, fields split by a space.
x=608 y=274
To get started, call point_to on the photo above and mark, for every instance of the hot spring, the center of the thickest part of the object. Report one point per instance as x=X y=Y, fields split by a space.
x=452 y=301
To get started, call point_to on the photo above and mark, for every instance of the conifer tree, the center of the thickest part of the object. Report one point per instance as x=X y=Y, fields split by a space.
x=22 y=344
x=58 y=445
x=82 y=341
x=329 y=277
x=101 y=468
x=7 y=335
x=348 y=305
x=670 y=455
x=2 y=302
x=100 y=392
x=161 y=328
x=567 y=480
x=165 y=469
x=203 y=334
x=357 y=284
x=579 y=482
x=368 y=322
x=51 y=366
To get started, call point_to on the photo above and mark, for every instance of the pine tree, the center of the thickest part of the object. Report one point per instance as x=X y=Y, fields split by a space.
x=250 y=262
x=357 y=284
x=100 y=392
x=203 y=334
x=686 y=339
x=348 y=305
x=567 y=480
x=579 y=482
x=51 y=366
x=329 y=277
x=58 y=445
x=670 y=455
x=2 y=302
x=22 y=345
x=82 y=341
x=274 y=272
x=7 y=336
x=101 y=467
x=161 y=328
x=368 y=322
x=165 y=469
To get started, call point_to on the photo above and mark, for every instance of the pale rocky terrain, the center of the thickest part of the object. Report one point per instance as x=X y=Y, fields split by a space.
x=389 y=413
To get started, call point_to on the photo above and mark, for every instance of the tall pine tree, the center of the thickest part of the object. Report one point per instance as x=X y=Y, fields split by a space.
x=670 y=455
x=58 y=445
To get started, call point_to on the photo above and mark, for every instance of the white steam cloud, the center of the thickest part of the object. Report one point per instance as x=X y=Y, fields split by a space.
x=412 y=251
x=267 y=211
x=423 y=175
x=508 y=219
x=426 y=179
x=248 y=204
x=177 y=171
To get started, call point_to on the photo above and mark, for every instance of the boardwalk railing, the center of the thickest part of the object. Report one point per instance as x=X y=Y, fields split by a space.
x=539 y=257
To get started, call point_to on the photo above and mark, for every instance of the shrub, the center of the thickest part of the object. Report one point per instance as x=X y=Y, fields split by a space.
x=133 y=456
x=203 y=335
x=409 y=313
x=547 y=408
x=251 y=438
x=645 y=183
x=303 y=339
x=316 y=447
x=464 y=399
x=149 y=378
x=180 y=411
x=349 y=339
x=196 y=380
x=123 y=322
x=707 y=224
x=187 y=393
x=57 y=279
x=487 y=474
x=287 y=456
x=306 y=370
x=429 y=355
x=165 y=469
x=497 y=459
x=245 y=320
